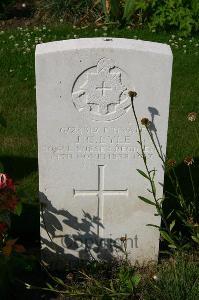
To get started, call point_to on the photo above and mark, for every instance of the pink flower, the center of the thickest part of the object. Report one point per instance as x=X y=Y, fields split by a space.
x=6 y=182
x=3 y=180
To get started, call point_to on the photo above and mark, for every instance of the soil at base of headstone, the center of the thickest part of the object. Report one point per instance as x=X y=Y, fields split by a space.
x=22 y=22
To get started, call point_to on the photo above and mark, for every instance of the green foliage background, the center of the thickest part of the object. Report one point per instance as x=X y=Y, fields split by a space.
x=181 y=15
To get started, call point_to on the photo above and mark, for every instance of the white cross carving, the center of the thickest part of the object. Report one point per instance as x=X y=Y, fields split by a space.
x=103 y=88
x=100 y=193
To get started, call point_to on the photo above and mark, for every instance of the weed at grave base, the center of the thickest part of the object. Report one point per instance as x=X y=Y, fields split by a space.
x=180 y=225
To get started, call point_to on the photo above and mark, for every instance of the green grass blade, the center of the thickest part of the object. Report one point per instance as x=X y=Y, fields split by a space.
x=143 y=174
x=146 y=200
x=129 y=9
x=165 y=236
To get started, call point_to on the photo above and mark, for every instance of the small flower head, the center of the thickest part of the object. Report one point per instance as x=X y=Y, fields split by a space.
x=188 y=160
x=192 y=116
x=3 y=180
x=171 y=162
x=145 y=122
x=6 y=182
x=190 y=221
x=123 y=238
x=155 y=277
x=70 y=276
x=132 y=94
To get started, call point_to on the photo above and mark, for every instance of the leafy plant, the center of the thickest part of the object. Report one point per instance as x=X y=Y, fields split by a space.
x=121 y=10
x=178 y=14
x=180 y=227
x=9 y=204
x=116 y=281
x=182 y=15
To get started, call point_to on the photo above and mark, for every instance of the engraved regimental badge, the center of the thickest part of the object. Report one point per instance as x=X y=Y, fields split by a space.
x=101 y=92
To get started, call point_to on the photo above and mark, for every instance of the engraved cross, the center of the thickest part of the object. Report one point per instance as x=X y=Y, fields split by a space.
x=100 y=193
x=103 y=88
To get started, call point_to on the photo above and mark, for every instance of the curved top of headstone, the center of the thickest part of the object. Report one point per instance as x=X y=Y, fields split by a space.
x=101 y=42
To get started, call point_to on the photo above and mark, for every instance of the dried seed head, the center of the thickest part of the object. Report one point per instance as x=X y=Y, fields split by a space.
x=123 y=238
x=192 y=116
x=145 y=121
x=132 y=94
x=70 y=276
x=171 y=162
x=188 y=160
x=190 y=221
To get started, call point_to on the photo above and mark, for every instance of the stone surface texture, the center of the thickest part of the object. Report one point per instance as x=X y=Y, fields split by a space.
x=87 y=145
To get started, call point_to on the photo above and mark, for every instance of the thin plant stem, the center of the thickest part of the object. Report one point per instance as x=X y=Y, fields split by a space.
x=158 y=207
x=192 y=183
x=142 y=149
x=180 y=191
x=156 y=148
x=197 y=135
x=162 y=154
x=163 y=158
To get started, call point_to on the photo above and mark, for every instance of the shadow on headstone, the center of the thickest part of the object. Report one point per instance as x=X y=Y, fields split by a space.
x=87 y=245
x=154 y=112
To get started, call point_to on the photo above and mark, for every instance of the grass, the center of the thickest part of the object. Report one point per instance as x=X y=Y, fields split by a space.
x=18 y=151
x=173 y=279
x=176 y=279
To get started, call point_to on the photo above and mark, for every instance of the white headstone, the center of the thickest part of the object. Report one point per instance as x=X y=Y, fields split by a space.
x=87 y=144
